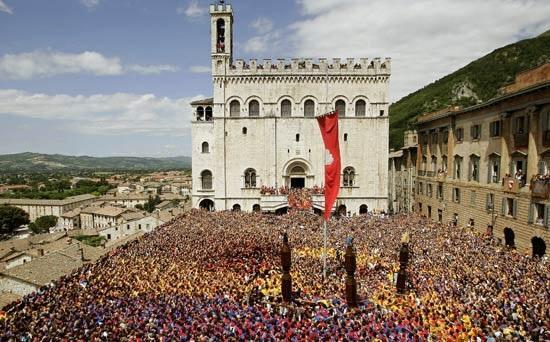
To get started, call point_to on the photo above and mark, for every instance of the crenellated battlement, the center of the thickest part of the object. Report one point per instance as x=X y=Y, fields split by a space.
x=220 y=8
x=320 y=66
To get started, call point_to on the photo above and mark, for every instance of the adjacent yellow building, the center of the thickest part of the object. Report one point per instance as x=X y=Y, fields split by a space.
x=488 y=166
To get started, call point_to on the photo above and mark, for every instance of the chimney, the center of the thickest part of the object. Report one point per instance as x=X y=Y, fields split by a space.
x=81 y=253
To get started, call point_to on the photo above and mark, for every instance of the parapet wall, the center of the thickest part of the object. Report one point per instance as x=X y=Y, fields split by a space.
x=299 y=66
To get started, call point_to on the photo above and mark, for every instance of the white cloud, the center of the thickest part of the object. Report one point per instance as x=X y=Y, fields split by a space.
x=262 y=25
x=263 y=43
x=90 y=4
x=102 y=114
x=152 y=69
x=427 y=39
x=193 y=10
x=200 y=69
x=5 y=8
x=38 y=63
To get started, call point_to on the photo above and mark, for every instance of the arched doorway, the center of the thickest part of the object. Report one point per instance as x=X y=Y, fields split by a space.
x=539 y=246
x=256 y=208
x=207 y=204
x=363 y=209
x=509 y=237
x=297 y=177
x=281 y=211
x=342 y=210
x=236 y=207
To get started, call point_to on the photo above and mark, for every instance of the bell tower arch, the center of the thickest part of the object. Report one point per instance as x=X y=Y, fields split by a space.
x=221 y=32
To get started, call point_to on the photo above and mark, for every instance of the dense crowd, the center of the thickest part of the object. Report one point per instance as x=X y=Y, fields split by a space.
x=300 y=199
x=217 y=276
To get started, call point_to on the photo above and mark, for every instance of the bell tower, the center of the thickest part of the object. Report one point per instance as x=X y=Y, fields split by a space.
x=221 y=32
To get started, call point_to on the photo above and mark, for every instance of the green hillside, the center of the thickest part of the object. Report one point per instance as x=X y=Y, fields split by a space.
x=477 y=81
x=37 y=162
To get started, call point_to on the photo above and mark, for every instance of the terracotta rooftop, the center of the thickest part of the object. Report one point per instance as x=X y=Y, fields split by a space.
x=66 y=201
x=41 y=271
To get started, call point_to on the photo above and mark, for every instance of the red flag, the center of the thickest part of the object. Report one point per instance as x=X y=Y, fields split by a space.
x=328 y=124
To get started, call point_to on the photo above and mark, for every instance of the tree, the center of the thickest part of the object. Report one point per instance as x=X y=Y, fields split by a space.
x=152 y=203
x=43 y=224
x=12 y=218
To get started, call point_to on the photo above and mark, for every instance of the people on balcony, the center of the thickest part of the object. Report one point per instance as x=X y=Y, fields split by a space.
x=541 y=178
x=520 y=177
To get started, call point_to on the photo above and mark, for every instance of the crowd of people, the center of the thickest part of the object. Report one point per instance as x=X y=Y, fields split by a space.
x=217 y=276
x=300 y=199
x=285 y=190
x=544 y=178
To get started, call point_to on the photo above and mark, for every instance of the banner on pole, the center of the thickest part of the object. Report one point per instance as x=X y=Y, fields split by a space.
x=328 y=124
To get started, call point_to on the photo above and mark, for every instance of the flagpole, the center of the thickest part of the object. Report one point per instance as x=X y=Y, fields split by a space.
x=324 y=165
x=325 y=249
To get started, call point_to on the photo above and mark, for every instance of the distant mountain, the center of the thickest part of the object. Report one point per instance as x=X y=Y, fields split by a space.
x=478 y=81
x=37 y=162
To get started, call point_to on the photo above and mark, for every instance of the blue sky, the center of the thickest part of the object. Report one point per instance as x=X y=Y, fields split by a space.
x=114 y=77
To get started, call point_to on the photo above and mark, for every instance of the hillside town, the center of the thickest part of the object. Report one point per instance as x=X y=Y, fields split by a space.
x=131 y=207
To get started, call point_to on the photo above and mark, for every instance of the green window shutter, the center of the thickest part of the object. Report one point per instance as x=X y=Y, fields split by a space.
x=531 y=213
x=546 y=215
x=515 y=208
x=503 y=208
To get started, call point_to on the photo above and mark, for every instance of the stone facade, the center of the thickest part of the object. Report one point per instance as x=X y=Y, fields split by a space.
x=38 y=208
x=489 y=165
x=402 y=175
x=142 y=225
x=259 y=129
x=17 y=286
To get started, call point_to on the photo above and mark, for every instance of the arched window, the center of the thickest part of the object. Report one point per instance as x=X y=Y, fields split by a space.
x=309 y=108
x=220 y=28
x=341 y=107
x=200 y=114
x=286 y=108
x=236 y=207
x=297 y=137
x=206 y=180
x=245 y=130
x=253 y=108
x=208 y=114
x=234 y=108
x=349 y=176
x=360 y=108
x=205 y=147
x=250 y=178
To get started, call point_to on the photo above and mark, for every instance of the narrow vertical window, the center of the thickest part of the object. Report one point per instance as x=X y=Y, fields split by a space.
x=309 y=108
x=360 y=108
x=234 y=108
x=254 y=108
x=286 y=108
x=341 y=108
